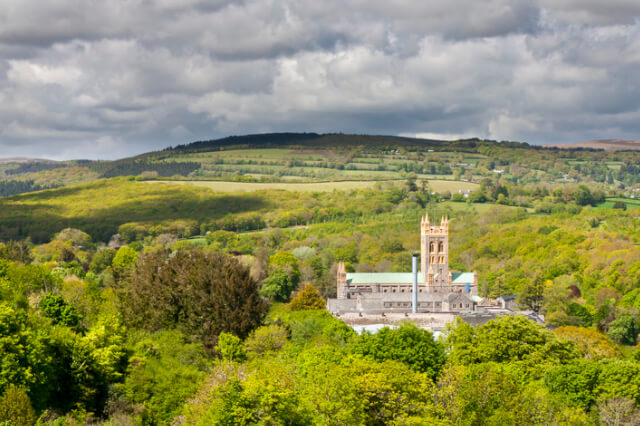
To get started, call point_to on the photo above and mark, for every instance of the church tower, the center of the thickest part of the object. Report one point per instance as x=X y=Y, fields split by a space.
x=434 y=251
x=342 y=281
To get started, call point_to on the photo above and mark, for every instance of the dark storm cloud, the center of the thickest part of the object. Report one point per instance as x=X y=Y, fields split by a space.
x=106 y=79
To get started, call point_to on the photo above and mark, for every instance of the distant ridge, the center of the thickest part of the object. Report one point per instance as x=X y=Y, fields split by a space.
x=603 y=144
x=24 y=160
x=274 y=140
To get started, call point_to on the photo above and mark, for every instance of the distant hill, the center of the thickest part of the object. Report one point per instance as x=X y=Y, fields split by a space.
x=24 y=160
x=275 y=140
x=604 y=144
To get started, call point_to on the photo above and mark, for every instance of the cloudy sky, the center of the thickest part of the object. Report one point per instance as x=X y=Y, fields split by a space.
x=105 y=79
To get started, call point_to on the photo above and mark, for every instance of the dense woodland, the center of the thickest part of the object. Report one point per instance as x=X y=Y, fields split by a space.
x=13 y=187
x=126 y=302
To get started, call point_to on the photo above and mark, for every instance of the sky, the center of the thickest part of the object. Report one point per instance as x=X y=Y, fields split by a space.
x=108 y=79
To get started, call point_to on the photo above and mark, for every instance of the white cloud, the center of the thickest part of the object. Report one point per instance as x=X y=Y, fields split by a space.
x=111 y=78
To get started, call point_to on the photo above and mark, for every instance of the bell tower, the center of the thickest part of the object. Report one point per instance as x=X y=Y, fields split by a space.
x=434 y=250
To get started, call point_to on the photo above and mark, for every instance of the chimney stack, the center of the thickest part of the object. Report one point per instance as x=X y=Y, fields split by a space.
x=414 y=293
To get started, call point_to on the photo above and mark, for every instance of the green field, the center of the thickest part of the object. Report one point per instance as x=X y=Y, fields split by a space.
x=630 y=202
x=221 y=186
x=258 y=154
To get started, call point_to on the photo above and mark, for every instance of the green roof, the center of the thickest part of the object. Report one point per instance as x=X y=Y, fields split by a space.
x=401 y=278
x=382 y=278
x=462 y=278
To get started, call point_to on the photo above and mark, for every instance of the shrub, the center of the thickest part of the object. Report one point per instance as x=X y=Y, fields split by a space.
x=230 y=347
x=308 y=298
x=15 y=407
x=266 y=339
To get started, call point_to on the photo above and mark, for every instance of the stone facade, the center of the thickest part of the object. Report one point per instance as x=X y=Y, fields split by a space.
x=439 y=290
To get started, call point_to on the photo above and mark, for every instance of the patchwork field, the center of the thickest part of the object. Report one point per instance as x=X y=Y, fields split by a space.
x=222 y=186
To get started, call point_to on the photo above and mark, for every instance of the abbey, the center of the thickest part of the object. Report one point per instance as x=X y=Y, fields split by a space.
x=438 y=289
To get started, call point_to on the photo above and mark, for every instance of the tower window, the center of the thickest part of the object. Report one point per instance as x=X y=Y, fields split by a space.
x=440 y=246
x=431 y=246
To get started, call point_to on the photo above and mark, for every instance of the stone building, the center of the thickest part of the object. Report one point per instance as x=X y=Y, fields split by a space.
x=438 y=289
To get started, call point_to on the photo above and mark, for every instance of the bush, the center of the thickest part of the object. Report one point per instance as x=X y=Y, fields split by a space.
x=266 y=339
x=620 y=205
x=308 y=298
x=230 y=347
x=15 y=407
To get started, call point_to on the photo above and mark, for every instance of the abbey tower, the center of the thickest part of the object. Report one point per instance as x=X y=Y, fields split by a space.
x=434 y=252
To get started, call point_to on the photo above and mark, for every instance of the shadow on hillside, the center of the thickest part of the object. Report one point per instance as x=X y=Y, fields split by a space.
x=41 y=221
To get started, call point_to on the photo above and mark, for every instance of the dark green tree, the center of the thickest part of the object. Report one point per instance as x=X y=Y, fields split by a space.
x=202 y=294
x=54 y=307
x=623 y=329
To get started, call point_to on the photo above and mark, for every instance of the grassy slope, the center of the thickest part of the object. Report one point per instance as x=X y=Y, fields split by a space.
x=220 y=186
x=100 y=207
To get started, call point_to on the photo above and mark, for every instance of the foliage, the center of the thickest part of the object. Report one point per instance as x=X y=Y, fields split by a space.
x=164 y=370
x=13 y=187
x=307 y=298
x=101 y=260
x=17 y=251
x=125 y=258
x=592 y=344
x=15 y=407
x=277 y=286
x=311 y=326
x=75 y=236
x=24 y=355
x=202 y=294
x=624 y=329
x=618 y=411
x=506 y=339
x=577 y=380
x=408 y=344
x=266 y=339
x=283 y=278
x=54 y=307
x=271 y=391
x=230 y=347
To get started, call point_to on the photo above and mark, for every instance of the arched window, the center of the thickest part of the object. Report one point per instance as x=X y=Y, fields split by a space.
x=431 y=246
x=440 y=246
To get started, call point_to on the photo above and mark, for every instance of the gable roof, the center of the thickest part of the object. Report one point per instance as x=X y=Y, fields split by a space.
x=382 y=278
x=462 y=278
x=401 y=278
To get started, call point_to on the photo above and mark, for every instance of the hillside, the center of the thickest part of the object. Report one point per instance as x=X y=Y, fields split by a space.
x=311 y=157
x=122 y=289
x=603 y=144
